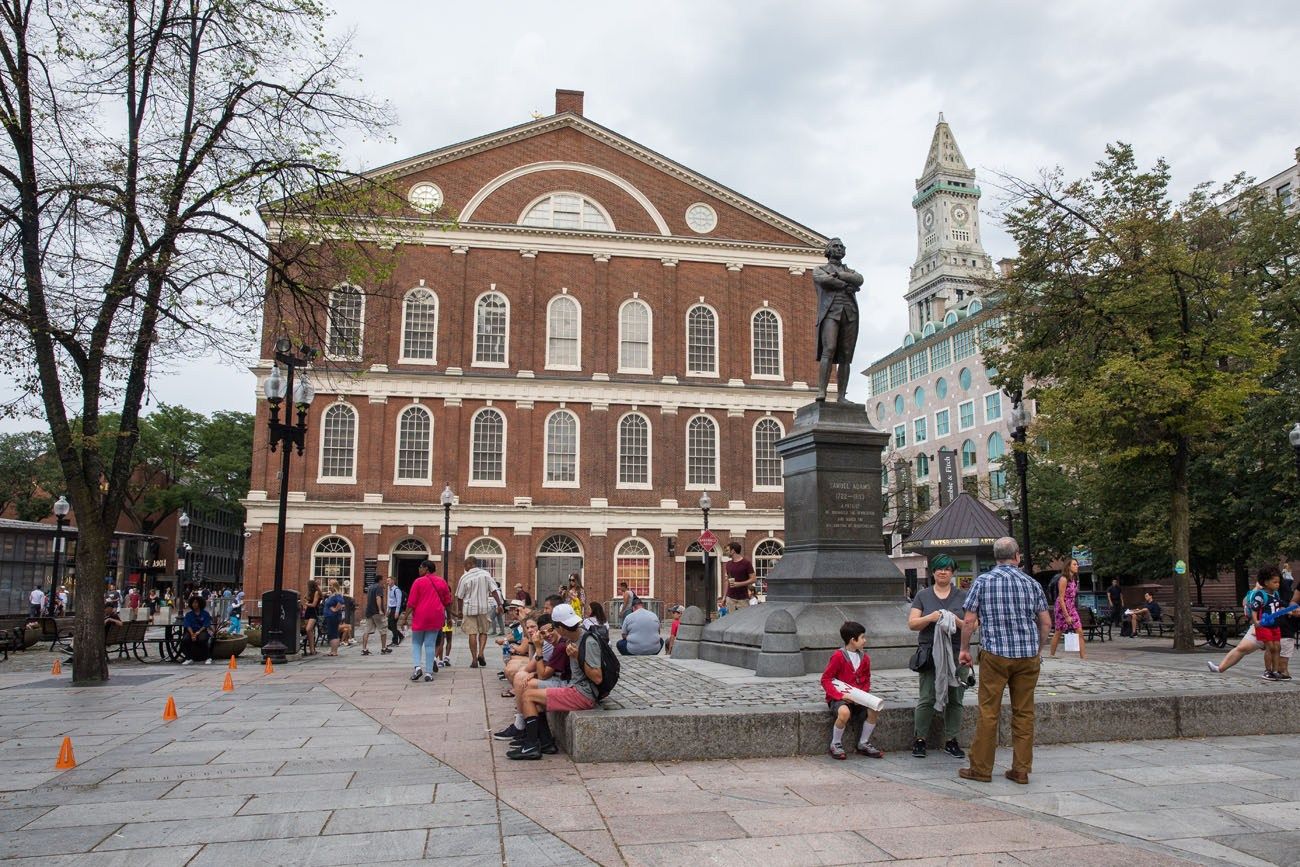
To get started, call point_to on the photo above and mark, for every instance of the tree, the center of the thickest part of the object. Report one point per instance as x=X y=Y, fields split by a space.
x=143 y=142
x=29 y=475
x=1139 y=324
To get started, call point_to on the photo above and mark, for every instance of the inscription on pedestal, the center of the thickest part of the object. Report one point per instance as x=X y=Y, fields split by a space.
x=846 y=508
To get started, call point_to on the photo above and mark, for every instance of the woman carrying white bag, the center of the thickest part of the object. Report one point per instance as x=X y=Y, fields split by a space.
x=1066 y=611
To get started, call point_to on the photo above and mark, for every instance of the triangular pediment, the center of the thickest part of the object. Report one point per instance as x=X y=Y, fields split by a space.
x=798 y=233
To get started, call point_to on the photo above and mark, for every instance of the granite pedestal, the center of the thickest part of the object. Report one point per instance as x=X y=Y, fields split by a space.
x=835 y=566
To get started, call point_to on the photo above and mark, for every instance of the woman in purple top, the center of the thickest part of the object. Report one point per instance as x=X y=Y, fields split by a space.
x=1066 y=609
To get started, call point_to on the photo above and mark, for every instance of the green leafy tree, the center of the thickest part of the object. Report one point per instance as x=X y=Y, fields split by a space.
x=151 y=151
x=30 y=478
x=1138 y=324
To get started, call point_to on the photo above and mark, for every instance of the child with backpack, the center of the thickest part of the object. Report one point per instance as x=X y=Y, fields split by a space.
x=594 y=670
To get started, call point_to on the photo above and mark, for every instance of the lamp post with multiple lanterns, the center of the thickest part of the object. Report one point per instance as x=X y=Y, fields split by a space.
x=1018 y=424
x=1294 y=436
x=705 y=505
x=61 y=510
x=284 y=435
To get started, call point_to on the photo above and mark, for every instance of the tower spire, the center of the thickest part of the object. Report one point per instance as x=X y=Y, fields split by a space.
x=944 y=155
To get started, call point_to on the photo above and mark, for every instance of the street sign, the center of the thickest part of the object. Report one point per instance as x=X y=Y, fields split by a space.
x=708 y=540
x=1083 y=555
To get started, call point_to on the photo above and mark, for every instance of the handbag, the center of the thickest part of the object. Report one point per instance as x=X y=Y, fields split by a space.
x=922 y=658
x=1071 y=642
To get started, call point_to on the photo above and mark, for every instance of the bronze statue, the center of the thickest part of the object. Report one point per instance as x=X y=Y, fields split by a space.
x=837 y=318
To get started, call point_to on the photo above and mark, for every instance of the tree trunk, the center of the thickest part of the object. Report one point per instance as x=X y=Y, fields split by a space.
x=1180 y=530
x=89 y=661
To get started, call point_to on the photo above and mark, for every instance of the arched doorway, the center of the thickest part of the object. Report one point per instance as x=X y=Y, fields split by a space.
x=700 y=591
x=404 y=562
x=557 y=557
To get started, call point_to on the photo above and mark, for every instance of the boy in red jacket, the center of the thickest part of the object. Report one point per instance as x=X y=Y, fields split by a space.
x=851 y=666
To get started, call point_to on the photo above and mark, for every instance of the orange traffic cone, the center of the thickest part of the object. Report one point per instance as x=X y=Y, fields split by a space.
x=233 y=664
x=270 y=669
x=169 y=712
x=66 y=761
x=229 y=685
x=57 y=668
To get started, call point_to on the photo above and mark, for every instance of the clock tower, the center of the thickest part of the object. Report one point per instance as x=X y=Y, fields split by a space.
x=950 y=258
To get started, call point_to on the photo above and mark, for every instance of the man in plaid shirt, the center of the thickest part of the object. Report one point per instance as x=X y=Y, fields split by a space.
x=1010 y=610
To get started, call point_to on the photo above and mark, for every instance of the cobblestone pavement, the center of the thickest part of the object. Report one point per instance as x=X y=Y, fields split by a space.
x=347 y=761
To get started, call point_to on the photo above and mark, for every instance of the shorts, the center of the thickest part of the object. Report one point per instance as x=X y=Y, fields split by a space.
x=474 y=624
x=1268 y=633
x=562 y=698
x=332 y=628
x=856 y=711
x=374 y=623
x=552 y=683
x=1288 y=646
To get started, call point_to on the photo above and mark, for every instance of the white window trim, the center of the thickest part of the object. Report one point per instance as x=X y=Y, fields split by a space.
x=546 y=449
x=936 y=413
x=583 y=197
x=505 y=451
x=320 y=453
x=477 y=301
x=923 y=417
x=717 y=454
x=650 y=341
x=437 y=314
x=649 y=454
x=990 y=461
x=779 y=376
x=649 y=547
x=505 y=555
x=986 y=397
x=549 y=304
x=970 y=426
x=397 y=447
x=352 y=567
x=973 y=469
x=717 y=340
x=894 y=435
x=916 y=472
x=753 y=463
x=361 y=324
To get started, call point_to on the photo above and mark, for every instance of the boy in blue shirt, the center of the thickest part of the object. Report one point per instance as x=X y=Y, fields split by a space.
x=332 y=614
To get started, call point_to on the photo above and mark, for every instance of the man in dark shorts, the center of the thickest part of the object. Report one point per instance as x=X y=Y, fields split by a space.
x=740 y=575
x=376 y=610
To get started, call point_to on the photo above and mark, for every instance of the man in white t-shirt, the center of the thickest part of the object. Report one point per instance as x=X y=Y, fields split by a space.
x=36 y=602
x=474 y=595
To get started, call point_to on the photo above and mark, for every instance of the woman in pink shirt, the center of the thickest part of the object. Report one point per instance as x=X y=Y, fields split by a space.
x=427 y=602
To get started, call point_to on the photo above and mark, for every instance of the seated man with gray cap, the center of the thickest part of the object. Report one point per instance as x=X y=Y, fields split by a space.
x=640 y=631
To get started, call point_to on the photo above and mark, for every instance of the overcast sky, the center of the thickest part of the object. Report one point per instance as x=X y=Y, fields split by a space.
x=824 y=111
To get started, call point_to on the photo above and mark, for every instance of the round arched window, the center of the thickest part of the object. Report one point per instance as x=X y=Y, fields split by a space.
x=941 y=388
x=918 y=397
x=964 y=378
x=898 y=404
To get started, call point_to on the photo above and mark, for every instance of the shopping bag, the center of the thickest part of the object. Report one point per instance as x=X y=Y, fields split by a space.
x=1071 y=642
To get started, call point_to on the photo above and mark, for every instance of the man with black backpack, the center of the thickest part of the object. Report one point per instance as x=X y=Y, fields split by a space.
x=594 y=670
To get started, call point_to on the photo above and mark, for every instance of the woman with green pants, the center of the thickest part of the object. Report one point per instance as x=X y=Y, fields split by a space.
x=927 y=609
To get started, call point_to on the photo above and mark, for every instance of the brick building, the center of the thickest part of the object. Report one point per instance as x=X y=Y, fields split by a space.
x=580 y=337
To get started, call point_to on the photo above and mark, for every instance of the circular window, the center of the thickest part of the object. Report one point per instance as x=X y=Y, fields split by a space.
x=701 y=218
x=941 y=388
x=425 y=196
x=964 y=378
x=918 y=397
x=898 y=405
x=880 y=411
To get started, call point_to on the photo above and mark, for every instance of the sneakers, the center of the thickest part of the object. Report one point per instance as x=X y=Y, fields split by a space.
x=1212 y=667
x=386 y=650
x=417 y=674
x=446 y=661
x=918 y=748
x=509 y=733
x=525 y=752
x=188 y=662
x=365 y=653
x=837 y=752
x=428 y=678
x=1282 y=675
x=869 y=750
x=207 y=661
x=953 y=749
x=1269 y=675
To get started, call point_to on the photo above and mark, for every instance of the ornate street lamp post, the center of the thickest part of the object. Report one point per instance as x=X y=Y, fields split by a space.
x=182 y=556
x=446 y=499
x=705 y=505
x=284 y=435
x=1018 y=424
x=1294 y=436
x=61 y=509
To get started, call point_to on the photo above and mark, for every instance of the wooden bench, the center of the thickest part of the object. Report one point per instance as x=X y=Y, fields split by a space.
x=11 y=639
x=1093 y=626
x=55 y=634
x=1158 y=628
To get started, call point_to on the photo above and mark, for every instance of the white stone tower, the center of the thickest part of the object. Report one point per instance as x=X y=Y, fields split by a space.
x=950 y=257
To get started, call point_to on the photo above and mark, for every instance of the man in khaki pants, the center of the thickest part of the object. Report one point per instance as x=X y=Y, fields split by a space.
x=1010 y=610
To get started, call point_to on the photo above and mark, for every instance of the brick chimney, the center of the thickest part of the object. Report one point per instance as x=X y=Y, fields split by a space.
x=568 y=100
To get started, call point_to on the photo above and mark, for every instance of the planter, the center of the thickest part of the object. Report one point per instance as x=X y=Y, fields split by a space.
x=228 y=646
x=254 y=636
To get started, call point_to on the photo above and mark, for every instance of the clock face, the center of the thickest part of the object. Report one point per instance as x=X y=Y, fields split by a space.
x=927 y=219
x=960 y=214
x=425 y=197
x=701 y=218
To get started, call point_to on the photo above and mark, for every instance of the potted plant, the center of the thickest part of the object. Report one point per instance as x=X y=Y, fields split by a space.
x=254 y=635
x=227 y=645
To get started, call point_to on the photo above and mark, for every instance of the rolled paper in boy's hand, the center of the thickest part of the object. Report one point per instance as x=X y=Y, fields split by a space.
x=857 y=696
x=1267 y=620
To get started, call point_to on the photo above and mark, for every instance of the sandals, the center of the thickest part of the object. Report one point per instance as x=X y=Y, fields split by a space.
x=509 y=693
